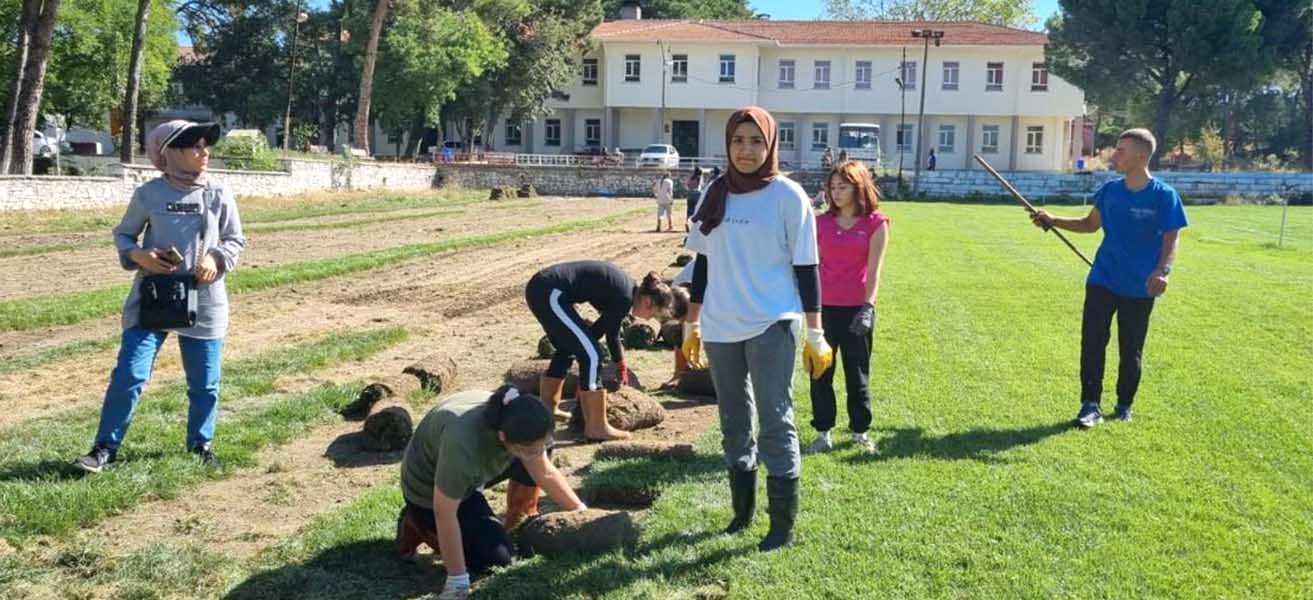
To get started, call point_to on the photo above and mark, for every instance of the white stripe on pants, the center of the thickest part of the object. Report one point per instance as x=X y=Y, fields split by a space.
x=589 y=382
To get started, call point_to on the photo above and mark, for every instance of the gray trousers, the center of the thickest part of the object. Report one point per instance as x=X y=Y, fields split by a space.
x=754 y=383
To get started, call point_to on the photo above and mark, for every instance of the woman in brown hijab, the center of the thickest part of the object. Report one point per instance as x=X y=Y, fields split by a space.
x=755 y=281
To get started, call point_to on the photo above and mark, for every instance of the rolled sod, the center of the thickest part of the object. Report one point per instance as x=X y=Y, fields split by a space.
x=627 y=409
x=640 y=336
x=545 y=347
x=649 y=450
x=436 y=373
x=395 y=386
x=589 y=531
x=525 y=374
x=388 y=429
x=672 y=334
x=697 y=382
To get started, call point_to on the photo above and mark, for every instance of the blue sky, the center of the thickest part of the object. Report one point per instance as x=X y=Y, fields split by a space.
x=812 y=9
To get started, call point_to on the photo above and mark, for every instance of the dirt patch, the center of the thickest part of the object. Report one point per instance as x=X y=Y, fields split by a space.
x=589 y=531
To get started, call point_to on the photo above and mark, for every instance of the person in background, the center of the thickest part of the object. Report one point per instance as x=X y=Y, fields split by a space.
x=179 y=224
x=853 y=235
x=694 y=184
x=664 y=191
x=931 y=161
x=827 y=159
x=1141 y=217
x=843 y=156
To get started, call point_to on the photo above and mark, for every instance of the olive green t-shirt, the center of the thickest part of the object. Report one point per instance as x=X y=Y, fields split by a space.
x=453 y=450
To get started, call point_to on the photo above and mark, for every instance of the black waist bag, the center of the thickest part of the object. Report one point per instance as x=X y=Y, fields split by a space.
x=168 y=301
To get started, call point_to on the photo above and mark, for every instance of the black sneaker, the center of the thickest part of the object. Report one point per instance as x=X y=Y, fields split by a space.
x=207 y=457
x=1089 y=416
x=1123 y=413
x=99 y=459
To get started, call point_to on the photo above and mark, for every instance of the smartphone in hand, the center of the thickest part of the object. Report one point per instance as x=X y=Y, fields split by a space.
x=172 y=256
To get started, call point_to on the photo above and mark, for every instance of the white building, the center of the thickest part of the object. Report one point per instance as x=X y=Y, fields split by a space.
x=987 y=91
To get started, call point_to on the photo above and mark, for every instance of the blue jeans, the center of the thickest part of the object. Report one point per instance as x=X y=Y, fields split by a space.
x=137 y=352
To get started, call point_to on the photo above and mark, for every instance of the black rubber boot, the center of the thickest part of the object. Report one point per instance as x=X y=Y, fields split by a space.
x=782 y=506
x=743 y=497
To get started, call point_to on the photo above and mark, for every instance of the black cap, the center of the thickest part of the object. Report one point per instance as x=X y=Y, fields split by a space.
x=189 y=135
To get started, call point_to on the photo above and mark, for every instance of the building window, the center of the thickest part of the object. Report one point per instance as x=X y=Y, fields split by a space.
x=590 y=71
x=786 y=136
x=512 y=133
x=951 y=70
x=593 y=132
x=994 y=77
x=947 y=138
x=862 y=75
x=907 y=72
x=786 y=74
x=1035 y=139
x=633 y=67
x=678 y=68
x=989 y=140
x=820 y=136
x=904 y=138
x=552 y=132
x=822 y=72
x=727 y=68
x=1039 y=77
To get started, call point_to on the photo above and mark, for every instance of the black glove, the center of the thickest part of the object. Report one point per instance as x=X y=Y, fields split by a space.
x=863 y=321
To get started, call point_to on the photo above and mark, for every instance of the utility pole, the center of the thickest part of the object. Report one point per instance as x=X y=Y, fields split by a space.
x=661 y=116
x=902 y=115
x=291 y=77
x=926 y=35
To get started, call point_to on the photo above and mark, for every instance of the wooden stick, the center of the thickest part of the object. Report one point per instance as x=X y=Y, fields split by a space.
x=1029 y=207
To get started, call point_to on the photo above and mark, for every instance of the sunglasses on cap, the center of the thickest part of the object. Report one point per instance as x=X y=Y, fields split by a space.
x=187 y=137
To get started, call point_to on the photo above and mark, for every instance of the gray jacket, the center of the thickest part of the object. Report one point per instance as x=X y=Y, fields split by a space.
x=160 y=216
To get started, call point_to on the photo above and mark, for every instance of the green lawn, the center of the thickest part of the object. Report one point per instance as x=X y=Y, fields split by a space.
x=981 y=489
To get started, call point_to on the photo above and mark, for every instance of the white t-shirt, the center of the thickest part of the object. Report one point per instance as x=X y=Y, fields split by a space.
x=750 y=260
x=664 y=191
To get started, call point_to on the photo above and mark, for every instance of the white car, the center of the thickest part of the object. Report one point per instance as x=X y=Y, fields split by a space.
x=661 y=156
x=43 y=146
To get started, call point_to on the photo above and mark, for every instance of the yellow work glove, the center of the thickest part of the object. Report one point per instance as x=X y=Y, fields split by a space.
x=692 y=346
x=817 y=356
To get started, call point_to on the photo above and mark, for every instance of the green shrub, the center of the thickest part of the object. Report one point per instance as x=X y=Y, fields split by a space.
x=247 y=154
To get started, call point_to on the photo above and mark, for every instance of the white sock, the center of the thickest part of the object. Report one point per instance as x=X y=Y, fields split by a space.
x=823 y=435
x=859 y=437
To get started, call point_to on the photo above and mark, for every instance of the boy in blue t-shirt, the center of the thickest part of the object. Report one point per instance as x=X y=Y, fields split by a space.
x=1141 y=218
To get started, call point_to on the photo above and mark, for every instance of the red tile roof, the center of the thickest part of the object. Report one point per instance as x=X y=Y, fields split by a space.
x=837 y=33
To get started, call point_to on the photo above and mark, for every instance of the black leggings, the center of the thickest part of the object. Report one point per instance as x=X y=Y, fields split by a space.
x=568 y=332
x=483 y=537
x=1132 y=328
x=855 y=352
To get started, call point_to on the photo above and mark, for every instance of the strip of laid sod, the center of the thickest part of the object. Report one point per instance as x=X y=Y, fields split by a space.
x=66 y=309
x=61 y=352
x=40 y=493
x=254 y=210
x=981 y=488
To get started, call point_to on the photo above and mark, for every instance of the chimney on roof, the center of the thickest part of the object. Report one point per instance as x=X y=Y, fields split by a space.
x=630 y=10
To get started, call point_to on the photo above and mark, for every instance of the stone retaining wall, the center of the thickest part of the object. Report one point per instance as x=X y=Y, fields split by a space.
x=49 y=192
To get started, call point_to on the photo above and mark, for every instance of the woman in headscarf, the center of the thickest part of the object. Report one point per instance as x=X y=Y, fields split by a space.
x=181 y=233
x=755 y=281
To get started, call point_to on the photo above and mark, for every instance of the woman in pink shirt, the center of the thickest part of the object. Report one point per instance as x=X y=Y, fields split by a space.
x=852 y=236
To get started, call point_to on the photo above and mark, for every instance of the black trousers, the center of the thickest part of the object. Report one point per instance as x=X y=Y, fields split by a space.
x=483 y=537
x=1132 y=327
x=568 y=332
x=855 y=352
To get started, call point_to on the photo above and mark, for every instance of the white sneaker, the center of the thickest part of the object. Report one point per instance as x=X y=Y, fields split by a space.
x=822 y=444
x=865 y=443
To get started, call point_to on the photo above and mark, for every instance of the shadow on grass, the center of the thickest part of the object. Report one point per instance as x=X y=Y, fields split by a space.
x=976 y=444
x=347 y=452
x=364 y=569
x=53 y=470
x=582 y=576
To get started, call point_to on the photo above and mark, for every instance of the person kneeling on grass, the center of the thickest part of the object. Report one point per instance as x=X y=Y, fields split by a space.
x=679 y=312
x=182 y=234
x=462 y=446
x=1141 y=218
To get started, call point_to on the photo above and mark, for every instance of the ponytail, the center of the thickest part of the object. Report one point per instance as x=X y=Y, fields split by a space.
x=521 y=417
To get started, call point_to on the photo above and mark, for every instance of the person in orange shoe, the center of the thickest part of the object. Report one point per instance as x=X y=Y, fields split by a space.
x=462 y=446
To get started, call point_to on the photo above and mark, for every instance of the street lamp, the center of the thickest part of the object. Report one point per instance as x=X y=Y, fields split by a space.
x=927 y=35
x=301 y=17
